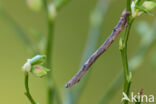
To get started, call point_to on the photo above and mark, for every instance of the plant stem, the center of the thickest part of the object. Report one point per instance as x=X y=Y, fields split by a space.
x=127 y=73
x=49 y=50
x=27 y=93
x=129 y=5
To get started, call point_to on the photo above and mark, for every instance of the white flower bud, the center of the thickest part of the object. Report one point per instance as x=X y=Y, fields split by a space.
x=35 y=67
x=27 y=66
x=52 y=11
x=135 y=12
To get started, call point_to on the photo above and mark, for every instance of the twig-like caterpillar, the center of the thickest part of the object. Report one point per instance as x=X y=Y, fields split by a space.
x=116 y=31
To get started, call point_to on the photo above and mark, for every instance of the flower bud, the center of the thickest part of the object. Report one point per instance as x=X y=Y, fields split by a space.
x=149 y=5
x=34 y=5
x=52 y=11
x=135 y=12
x=27 y=66
x=39 y=71
x=34 y=66
x=38 y=60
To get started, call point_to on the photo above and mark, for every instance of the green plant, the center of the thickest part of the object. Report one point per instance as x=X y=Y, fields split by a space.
x=41 y=63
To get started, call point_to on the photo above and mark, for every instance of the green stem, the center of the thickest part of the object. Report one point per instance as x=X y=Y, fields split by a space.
x=127 y=73
x=52 y=90
x=27 y=93
x=49 y=50
x=129 y=5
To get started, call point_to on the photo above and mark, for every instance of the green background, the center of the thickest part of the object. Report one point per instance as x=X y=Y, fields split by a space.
x=71 y=32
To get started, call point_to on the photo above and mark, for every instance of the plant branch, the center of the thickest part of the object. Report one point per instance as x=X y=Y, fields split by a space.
x=116 y=31
x=27 y=93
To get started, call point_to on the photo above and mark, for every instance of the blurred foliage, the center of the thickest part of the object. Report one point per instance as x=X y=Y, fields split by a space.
x=71 y=27
x=16 y=28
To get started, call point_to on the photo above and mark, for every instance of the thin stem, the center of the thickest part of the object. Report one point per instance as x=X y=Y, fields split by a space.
x=129 y=5
x=52 y=90
x=27 y=93
x=49 y=50
x=116 y=31
x=127 y=73
x=49 y=46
